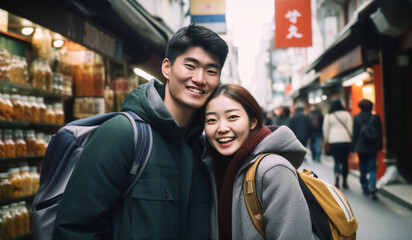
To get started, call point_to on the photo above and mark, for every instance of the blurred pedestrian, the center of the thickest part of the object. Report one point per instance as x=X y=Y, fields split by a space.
x=282 y=116
x=316 y=119
x=367 y=143
x=337 y=130
x=301 y=125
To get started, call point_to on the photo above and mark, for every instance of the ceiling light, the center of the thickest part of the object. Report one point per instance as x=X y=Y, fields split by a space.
x=27 y=30
x=58 y=43
x=142 y=73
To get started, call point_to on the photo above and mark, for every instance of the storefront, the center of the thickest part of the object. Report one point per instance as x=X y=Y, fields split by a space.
x=371 y=59
x=59 y=61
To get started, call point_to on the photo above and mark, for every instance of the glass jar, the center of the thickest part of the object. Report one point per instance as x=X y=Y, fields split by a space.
x=48 y=79
x=35 y=109
x=26 y=108
x=21 y=146
x=4 y=64
x=26 y=179
x=59 y=113
x=2 y=146
x=18 y=107
x=25 y=215
x=2 y=108
x=9 y=110
x=17 y=219
x=16 y=182
x=9 y=143
x=8 y=232
x=40 y=147
x=35 y=176
x=6 y=189
x=30 y=139
x=43 y=109
x=25 y=73
x=51 y=115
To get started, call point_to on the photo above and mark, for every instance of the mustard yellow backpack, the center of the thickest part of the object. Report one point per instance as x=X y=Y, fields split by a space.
x=331 y=214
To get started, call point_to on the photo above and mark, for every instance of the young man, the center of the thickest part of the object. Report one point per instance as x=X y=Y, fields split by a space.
x=172 y=199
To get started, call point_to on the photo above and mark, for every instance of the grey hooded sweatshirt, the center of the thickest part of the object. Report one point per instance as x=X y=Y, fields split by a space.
x=285 y=210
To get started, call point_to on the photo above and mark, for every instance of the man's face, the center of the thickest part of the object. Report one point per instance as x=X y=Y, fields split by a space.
x=191 y=79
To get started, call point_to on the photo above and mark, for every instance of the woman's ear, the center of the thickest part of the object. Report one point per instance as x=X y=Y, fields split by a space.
x=253 y=123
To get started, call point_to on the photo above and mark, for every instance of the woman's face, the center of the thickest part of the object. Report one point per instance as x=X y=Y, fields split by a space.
x=227 y=125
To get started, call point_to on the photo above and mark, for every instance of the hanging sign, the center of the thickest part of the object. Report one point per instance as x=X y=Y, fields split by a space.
x=209 y=13
x=293 y=23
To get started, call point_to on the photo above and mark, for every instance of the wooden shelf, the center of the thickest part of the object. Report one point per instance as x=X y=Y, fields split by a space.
x=11 y=88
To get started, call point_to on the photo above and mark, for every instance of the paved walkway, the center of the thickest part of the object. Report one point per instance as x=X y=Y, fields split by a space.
x=398 y=192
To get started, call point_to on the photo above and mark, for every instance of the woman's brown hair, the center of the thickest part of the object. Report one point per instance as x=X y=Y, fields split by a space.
x=243 y=96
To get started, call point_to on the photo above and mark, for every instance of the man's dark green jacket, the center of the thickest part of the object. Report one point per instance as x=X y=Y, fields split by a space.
x=172 y=199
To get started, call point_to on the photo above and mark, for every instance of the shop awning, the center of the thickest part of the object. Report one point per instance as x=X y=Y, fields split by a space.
x=350 y=36
x=124 y=23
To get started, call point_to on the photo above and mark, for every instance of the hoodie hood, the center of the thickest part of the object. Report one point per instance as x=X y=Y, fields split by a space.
x=283 y=141
x=147 y=102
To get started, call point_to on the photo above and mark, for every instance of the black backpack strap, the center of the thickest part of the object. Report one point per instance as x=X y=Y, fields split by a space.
x=143 y=141
x=319 y=219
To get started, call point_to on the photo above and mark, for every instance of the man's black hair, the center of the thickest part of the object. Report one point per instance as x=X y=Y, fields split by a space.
x=196 y=36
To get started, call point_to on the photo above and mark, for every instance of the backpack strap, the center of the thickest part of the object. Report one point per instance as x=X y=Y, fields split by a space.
x=251 y=198
x=143 y=141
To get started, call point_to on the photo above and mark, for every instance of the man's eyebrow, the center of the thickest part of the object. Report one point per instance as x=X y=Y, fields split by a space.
x=214 y=65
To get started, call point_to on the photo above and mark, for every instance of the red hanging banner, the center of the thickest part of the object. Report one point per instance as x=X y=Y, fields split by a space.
x=293 y=23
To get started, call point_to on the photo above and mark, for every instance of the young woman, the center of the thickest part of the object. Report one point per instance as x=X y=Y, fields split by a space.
x=337 y=129
x=236 y=138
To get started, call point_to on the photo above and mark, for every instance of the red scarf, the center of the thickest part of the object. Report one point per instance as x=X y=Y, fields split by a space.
x=226 y=189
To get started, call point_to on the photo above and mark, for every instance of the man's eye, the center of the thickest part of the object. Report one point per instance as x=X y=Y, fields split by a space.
x=212 y=72
x=189 y=66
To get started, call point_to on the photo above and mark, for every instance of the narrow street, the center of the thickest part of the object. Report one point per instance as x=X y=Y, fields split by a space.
x=383 y=219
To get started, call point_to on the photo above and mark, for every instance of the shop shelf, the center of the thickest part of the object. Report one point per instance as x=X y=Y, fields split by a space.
x=23 y=89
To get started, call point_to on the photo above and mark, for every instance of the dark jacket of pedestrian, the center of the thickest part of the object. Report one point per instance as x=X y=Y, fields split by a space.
x=359 y=121
x=316 y=119
x=301 y=126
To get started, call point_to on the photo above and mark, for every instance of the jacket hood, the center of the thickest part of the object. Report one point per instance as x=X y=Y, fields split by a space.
x=146 y=101
x=283 y=141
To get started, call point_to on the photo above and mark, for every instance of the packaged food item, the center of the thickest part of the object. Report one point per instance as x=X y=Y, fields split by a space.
x=26 y=180
x=48 y=76
x=6 y=189
x=40 y=147
x=35 y=176
x=9 y=143
x=25 y=216
x=30 y=139
x=18 y=107
x=59 y=113
x=51 y=115
x=8 y=232
x=35 y=109
x=37 y=74
x=9 y=110
x=26 y=108
x=2 y=146
x=43 y=109
x=21 y=147
x=17 y=219
x=16 y=182
x=5 y=64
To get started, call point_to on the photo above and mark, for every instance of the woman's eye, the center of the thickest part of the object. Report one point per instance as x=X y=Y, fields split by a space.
x=211 y=120
x=232 y=117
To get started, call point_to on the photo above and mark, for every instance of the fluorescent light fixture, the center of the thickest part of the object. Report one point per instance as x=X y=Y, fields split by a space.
x=142 y=73
x=58 y=43
x=356 y=79
x=27 y=30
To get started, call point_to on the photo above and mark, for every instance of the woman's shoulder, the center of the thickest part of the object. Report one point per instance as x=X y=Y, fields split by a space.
x=272 y=161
